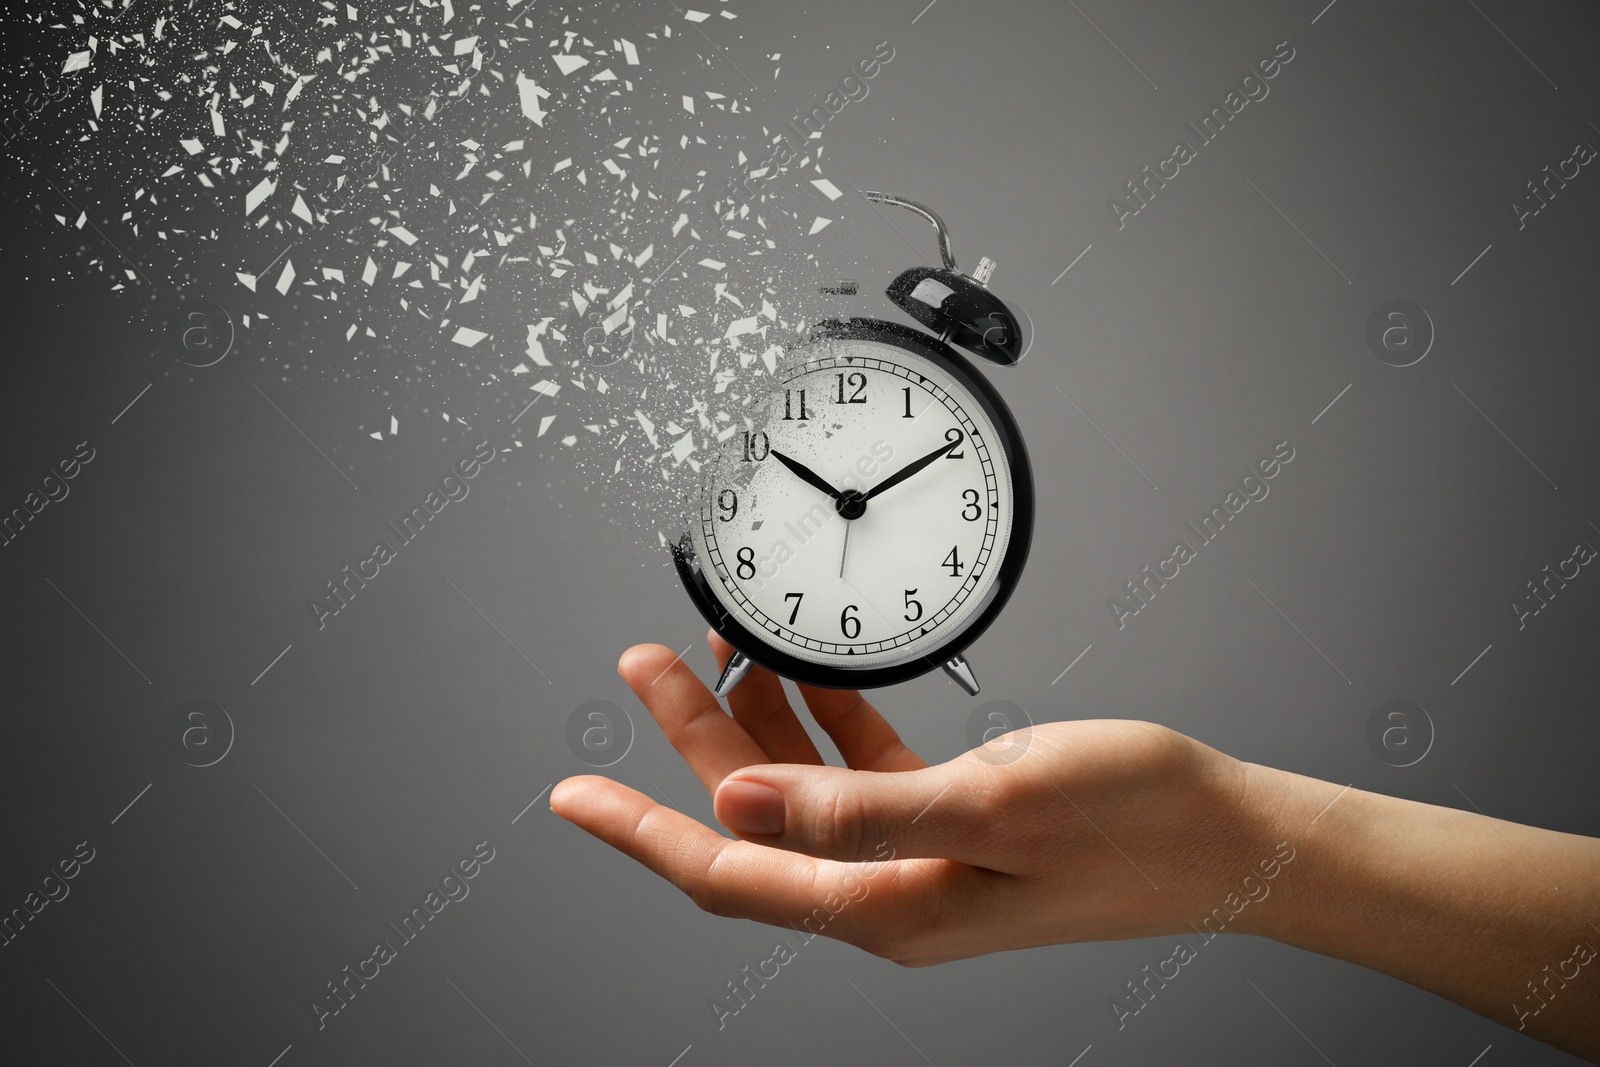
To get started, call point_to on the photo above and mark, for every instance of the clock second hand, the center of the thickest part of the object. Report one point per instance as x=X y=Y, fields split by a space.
x=844 y=551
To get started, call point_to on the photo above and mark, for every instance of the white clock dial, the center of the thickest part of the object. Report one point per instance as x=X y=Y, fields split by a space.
x=863 y=428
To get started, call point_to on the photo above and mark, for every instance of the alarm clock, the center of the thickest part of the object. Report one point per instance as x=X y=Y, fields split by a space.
x=874 y=522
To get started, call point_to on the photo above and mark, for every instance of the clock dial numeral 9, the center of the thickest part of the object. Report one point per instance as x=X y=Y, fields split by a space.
x=728 y=502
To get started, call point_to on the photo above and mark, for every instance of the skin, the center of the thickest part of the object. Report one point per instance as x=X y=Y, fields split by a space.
x=1092 y=831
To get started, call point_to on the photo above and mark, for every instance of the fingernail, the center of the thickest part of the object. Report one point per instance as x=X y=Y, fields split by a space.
x=750 y=808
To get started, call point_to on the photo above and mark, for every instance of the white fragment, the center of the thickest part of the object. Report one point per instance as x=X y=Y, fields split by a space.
x=254 y=197
x=536 y=347
x=530 y=93
x=286 y=279
x=466 y=335
x=827 y=188
x=647 y=426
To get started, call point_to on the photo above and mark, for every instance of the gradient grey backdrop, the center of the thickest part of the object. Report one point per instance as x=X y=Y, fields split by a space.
x=1196 y=338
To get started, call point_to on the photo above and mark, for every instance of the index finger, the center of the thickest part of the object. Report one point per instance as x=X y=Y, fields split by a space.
x=722 y=876
x=712 y=744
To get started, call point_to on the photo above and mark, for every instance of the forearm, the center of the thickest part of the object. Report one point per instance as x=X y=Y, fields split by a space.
x=1500 y=918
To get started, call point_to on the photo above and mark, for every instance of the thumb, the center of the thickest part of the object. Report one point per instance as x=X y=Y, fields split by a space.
x=840 y=814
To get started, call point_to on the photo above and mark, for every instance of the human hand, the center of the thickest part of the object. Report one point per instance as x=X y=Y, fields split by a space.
x=1101 y=829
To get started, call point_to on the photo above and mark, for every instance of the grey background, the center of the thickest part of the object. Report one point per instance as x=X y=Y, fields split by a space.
x=1196 y=338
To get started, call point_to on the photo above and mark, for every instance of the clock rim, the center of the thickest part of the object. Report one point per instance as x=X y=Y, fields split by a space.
x=732 y=630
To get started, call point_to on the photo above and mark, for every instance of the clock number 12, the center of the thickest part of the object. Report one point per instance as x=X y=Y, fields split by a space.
x=858 y=382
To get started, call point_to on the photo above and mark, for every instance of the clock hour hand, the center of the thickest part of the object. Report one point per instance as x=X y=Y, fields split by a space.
x=806 y=474
x=909 y=469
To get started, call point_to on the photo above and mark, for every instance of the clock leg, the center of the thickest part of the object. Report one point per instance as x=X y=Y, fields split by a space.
x=738 y=666
x=960 y=672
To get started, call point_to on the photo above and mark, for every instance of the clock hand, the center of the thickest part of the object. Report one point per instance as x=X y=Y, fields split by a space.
x=909 y=469
x=806 y=474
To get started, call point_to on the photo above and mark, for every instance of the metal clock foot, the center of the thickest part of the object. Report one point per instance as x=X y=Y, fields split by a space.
x=738 y=666
x=960 y=672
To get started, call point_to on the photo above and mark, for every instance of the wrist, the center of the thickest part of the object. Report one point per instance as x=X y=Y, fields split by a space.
x=1260 y=856
x=1474 y=909
x=1282 y=811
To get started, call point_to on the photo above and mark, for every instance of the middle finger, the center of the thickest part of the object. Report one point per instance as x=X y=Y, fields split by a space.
x=759 y=705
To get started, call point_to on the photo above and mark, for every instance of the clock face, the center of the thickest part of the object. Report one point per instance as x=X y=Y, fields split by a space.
x=866 y=523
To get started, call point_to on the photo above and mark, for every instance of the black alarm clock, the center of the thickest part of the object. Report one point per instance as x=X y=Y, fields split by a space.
x=877 y=520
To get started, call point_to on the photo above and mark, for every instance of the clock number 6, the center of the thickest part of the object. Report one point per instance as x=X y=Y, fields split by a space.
x=849 y=625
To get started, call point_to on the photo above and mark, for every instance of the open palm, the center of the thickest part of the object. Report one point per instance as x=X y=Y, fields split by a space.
x=1088 y=830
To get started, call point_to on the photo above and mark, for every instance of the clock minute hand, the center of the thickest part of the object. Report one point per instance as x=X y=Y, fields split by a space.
x=909 y=469
x=806 y=474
